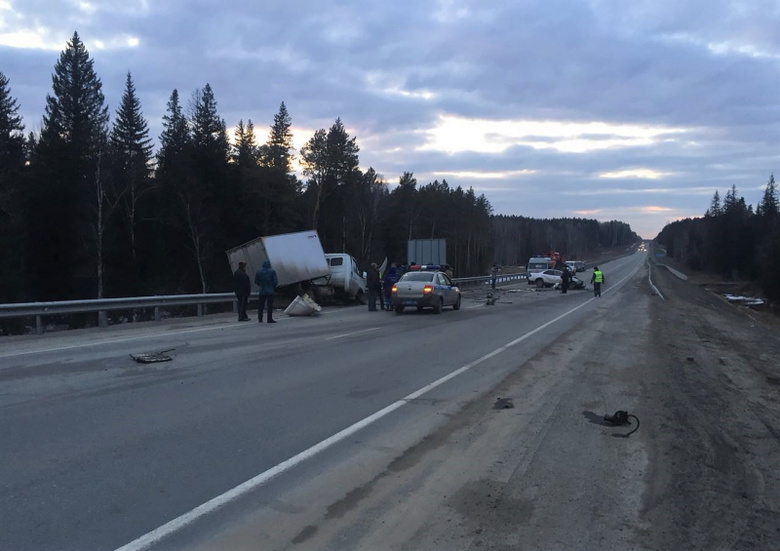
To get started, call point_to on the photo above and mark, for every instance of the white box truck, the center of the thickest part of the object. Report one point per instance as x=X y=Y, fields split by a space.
x=298 y=258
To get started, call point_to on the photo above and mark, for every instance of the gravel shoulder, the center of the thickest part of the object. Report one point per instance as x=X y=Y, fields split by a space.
x=700 y=473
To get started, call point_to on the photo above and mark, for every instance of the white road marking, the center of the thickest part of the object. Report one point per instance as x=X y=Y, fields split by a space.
x=353 y=333
x=150 y=538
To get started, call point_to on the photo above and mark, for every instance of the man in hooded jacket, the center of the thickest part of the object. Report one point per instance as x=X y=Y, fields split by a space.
x=266 y=282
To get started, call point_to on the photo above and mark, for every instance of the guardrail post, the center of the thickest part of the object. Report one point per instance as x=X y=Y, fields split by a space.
x=235 y=307
x=102 y=319
x=200 y=310
x=156 y=313
x=38 y=324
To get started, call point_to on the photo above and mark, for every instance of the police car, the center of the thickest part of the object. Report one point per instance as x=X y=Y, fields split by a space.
x=425 y=287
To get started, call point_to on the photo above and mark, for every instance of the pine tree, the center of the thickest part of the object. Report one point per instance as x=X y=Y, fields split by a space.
x=70 y=186
x=715 y=207
x=174 y=140
x=331 y=161
x=277 y=155
x=278 y=185
x=131 y=150
x=769 y=207
x=246 y=153
x=12 y=159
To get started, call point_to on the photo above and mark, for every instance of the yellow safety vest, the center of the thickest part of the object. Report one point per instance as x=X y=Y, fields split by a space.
x=598 y=277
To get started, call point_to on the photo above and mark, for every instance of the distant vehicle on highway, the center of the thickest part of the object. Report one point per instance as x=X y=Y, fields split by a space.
x=425 y=289
x=576 y=265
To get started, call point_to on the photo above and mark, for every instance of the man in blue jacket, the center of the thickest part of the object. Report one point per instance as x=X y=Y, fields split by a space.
x=266 y=282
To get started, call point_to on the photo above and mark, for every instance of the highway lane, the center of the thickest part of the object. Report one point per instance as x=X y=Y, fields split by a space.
x=99 y=451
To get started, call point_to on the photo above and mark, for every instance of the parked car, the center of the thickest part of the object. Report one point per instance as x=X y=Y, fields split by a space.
x=546 y=278
x=425 y=289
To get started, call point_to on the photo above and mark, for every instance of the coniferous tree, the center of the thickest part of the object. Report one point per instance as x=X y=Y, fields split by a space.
x=245 y=153
x=331 y=162
x=12 y=159
x=171 y=175
x=206 y=190
x=769 y=207
x=69 y=187
x=131 y=149
x=278 y=186
x=715 y=208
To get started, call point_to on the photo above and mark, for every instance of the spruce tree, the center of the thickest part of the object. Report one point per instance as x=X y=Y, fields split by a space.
x=769 y=207
x=278 y=187
x=131 y=150
x=70 y=186
x=12 y=159
x=245 y=153
x=715 y=208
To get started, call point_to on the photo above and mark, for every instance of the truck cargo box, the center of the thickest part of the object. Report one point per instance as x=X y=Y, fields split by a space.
x=296 y=257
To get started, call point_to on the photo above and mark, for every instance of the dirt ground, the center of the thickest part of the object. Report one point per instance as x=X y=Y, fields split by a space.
x=701 y=473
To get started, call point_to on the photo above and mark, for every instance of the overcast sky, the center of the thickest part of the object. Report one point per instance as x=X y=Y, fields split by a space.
x=609 y=109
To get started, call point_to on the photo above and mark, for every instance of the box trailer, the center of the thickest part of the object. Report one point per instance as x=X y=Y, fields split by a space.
x=296 y=257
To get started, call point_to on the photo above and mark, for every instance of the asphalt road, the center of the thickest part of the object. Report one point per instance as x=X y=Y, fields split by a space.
x=101 y=452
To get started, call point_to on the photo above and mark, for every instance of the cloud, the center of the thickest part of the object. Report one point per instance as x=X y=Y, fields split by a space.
x=549 y=108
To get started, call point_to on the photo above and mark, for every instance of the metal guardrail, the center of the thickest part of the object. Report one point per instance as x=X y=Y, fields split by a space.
x=41 y=309
x=53 y=308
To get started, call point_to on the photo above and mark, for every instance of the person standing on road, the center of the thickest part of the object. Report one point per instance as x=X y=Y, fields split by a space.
x=243 y=288
x=266 y=282
x=493 y=275
x=565 y=279
x=374 y=285
x=597 y=279
x=389 y=280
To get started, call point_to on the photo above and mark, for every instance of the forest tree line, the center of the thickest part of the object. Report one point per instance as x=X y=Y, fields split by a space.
x=89 y=209
x=731 y=240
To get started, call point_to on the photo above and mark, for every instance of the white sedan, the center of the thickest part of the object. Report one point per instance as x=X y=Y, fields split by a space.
x=546 y=278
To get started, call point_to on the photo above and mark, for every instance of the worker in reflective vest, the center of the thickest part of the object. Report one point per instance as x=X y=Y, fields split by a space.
x=597 y=279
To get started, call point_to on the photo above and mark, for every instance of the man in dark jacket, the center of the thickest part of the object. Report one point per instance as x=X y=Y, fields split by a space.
x=242 y=288
x=565 y=279
x=266 y=282
x=374 y=285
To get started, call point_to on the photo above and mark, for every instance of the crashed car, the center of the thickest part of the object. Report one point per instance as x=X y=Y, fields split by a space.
x=574 y=283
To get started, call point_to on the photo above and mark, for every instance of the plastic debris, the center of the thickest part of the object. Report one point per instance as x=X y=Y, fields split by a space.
x=152 y=357
x=303 y=306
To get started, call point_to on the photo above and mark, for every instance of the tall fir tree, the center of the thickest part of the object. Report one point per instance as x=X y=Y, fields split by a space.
x=769 y=207
x=715 y=208
x=330 y=160
x=172 y=172
x=70 y=186
x=131 y=155
x=278 y=186
x=12 y=160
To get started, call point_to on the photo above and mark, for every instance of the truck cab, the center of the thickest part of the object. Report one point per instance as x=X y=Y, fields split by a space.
x=345 y=280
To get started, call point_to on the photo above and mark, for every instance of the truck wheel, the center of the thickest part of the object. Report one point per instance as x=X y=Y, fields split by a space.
x=540 y=283
x=438 y=306
x=399 y=309
x=456 y=306
x=360 y=297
